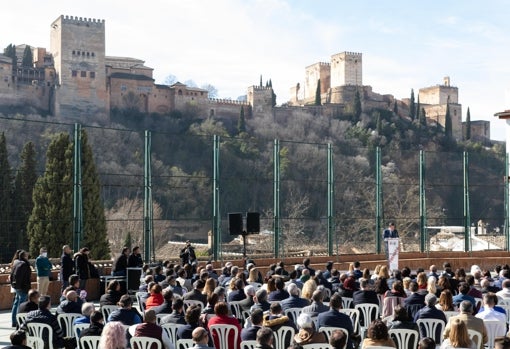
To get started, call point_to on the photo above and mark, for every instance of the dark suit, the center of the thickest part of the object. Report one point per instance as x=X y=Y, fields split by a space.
x=165 y=308
x=246 y=303
x=195 y=295
x=249 y=333
x=278 y=295
x=294 y=302
x=430 y=313
x=333 y=318
x=236 y=296
x=367 y=296
x=315 y=309
x=415 y=298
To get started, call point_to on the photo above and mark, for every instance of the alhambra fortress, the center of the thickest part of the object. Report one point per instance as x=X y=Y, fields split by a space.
x=75 y=79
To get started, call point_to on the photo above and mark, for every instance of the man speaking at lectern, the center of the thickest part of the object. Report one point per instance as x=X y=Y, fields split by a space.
x=391 y=232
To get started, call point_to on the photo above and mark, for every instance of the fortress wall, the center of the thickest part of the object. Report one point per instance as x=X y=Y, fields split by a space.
x=37 y=96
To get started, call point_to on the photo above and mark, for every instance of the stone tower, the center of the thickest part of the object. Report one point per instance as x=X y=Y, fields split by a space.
x=260 y=98
x=78 y=48
x=346 y=69
x=313 y=73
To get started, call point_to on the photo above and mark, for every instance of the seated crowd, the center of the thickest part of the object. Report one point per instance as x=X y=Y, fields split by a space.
x=313 y=306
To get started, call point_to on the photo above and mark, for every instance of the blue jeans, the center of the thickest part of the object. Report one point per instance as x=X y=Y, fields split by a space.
x=20 y=297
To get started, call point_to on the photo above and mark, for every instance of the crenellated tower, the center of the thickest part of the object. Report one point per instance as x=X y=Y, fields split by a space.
x=346 y=69
x=78 y=48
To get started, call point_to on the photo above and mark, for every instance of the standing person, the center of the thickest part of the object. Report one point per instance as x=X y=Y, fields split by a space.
x=43 y=268
x=81 y=261
x=66 y=266
x=20 y=282
x=135 y=258
x=121 y=263
x=188 y=254
x=391 y=232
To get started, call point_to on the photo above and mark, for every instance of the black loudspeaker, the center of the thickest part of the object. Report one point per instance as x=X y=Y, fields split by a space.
x=235 y=223
x=253 y=222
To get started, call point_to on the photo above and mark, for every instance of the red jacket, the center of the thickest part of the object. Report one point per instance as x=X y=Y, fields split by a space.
x=154 y=300
x=225 y=320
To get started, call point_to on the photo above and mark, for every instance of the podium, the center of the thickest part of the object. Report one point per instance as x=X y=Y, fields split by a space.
x=392 y=248
x=133 y=276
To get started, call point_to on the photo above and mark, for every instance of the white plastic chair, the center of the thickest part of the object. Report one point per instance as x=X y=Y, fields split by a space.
x=449 y=314
x=494 y=329
x=145 y=343
x=328 y=330
x=346 y=302
x=66 y=323
x=159 y=317
x=379 y=347
x=171 y=331
x=89 y=342
x=293 y=313
x=37 y=329
x=139 y=300
x=20 y=318
x=107 y=310
x=475 y=336
x=189 y=302
x=432 y=328
x=236 y=309
x=389 y=304
x=507 y=311
x=282 y=337
x=248 y=344
x=354 y=315
x=368 y=312
x=78 y=328
x=404 y=338
x=257 y=285
x=317 y=346
x=184 y=344
x=224 y=332
x=35 y=342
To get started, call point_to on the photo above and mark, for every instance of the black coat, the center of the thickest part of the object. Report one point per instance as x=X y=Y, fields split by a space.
x=20 y=275
x=67 y=266
x=81 y=262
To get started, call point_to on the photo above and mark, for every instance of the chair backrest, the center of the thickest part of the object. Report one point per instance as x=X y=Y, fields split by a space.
x=107 y=310
x=354 y=315
x=450 y=313
x=494 y=329
x=378 y=347
x=171 y=331
x=248 y=344
x=20 y=318
x=317 y=346
x=389 y=304
x=257 y=285
x=224 y=333
x=507 y=310
x=503 y=301
x=66 y=323
x=145 y=343
x=283 y=337
x=184 y=344
x=346 y=302
x=78 y=328
x=475 y=336
x=36 y=329
x=367 y=313
x=432 y=328
x=159 y=317
x=35 y=342
x=413 y=309
x=189 y=302
x=236 y=309
x=328 y=330
x=90 y=342
x=478 y=302
x=140 y=301
x=293 y=313
x=404 y=338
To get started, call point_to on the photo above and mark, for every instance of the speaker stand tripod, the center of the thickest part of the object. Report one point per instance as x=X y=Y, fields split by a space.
x=244 y=243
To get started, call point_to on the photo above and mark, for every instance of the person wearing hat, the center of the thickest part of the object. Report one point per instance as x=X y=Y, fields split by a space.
x=43 y=268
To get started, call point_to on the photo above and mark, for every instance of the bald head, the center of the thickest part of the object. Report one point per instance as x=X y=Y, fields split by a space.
x=72 y=296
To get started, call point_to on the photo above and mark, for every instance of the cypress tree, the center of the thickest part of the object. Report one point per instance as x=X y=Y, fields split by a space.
x=423 y=117
x=28 y=58
x=418 y=108
x=412 y=106
x=241 y=123
x=5 y=201
x=448 y=122
x=24 y=184
x=318 y=93
x=128 y=241
x=395 y=107
x=10 y=51
x=260 y=80
x=50 y=222
x=357 y=107
x=94 y=220
x=468 y=124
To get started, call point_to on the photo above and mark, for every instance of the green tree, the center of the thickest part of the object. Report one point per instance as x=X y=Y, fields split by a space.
x=28 y=58
x=412 y=106
x=128 y=241
x=468 y=124
x=448 y=122
x=357 y=107
x=5 y=200
x=395 y=107
x=260 y=84
x=241 y=123
x=418 y=109
x=94 y=220
x=24 y=184
x=10 y=51
x=423 y=117
x=318 y=93
x=50 y=222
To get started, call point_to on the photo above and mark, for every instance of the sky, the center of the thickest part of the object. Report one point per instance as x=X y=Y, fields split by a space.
x=231 y=43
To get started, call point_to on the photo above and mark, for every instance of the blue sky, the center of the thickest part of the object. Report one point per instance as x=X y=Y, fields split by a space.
x=229 y=44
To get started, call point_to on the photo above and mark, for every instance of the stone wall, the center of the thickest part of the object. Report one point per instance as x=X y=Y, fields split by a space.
x=346 y=69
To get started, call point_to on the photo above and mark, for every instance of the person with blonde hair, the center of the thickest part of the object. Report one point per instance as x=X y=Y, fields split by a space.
x=431 y=285
x=384 y=272
x=113 y=336
x=445 y=302
x=421 y=280
x=458 y=336
x=308 y=288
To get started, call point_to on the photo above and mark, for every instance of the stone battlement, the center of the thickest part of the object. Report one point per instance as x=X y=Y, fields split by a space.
x=82 y=20
x=352 y=53
x=321 y=64
x=227 y=101
x=257 y=87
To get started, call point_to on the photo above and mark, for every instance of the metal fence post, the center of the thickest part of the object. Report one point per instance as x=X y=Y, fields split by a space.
x=331 y=198
x=148 y=236
x=378 y=199
x=77 y=190
x=276 y=195
x=216 y=199
x=423 y=206
x=507 y=205
x=467 y=218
